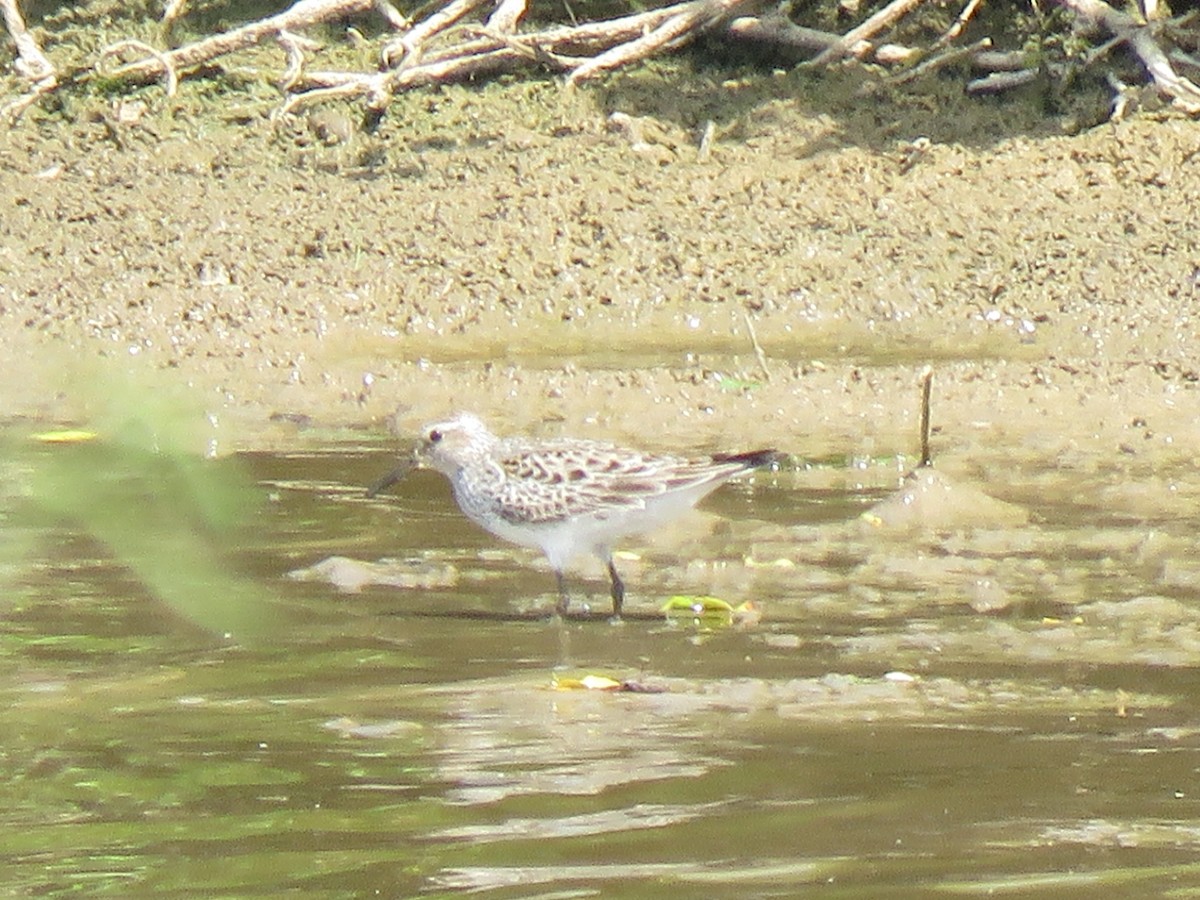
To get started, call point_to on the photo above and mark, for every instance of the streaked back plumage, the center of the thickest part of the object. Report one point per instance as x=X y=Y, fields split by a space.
x=570 y=496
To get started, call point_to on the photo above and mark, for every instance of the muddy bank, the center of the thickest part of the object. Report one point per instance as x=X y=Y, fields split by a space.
x=505 y=249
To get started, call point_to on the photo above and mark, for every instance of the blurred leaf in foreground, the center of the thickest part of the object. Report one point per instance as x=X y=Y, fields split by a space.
x=134 y=476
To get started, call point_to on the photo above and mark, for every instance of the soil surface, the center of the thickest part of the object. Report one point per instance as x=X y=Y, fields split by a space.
x=516 y=250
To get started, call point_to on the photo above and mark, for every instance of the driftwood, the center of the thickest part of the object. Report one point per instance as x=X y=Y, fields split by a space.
x=31 y=63
x=470 y=39
x=581 y=51
x=301 y=15
x=1142 y=40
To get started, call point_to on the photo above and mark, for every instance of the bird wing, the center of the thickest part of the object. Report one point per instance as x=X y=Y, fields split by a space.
x=578 y=478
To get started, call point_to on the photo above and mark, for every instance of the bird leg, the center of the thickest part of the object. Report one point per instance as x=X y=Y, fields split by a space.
x=560 y=608
x=618 y=589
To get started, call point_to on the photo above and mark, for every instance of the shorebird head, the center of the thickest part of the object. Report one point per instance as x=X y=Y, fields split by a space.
x=449 y=445
x=446 y=446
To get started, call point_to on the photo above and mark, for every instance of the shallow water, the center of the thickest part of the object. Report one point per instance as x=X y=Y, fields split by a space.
x=986 y=705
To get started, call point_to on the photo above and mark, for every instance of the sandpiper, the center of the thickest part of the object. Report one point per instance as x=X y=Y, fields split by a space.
x=568 y=496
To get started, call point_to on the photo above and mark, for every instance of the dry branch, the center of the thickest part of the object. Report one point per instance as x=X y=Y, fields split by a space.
x=880 y=21
x=407 y=47
x=506 y=16
x=997 y=82
x=455 y=41
x=300 y=15
x=939 y=61
x=484 y=51
x=163 y=60
x=695 y=18
x=956 y=29
x=391 y=15
x=1141 y=40
x=779 y=31
x=31 y=63
x=173 y=11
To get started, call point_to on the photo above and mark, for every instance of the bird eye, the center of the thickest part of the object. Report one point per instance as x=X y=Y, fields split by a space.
x=434 y=436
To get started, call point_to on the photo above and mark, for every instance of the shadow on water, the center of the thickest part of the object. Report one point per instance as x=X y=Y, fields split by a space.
x=1001 y=705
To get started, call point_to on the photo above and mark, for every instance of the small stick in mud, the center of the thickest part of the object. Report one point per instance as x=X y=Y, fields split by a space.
x=926 y=382
x=758 y=350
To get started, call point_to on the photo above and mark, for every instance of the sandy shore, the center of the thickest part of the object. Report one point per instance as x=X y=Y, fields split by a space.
x=508 y=252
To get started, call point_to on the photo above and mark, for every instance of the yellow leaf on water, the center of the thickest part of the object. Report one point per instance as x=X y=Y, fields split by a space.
x=65 y=436
x=586 y=683
x=599 y=683
x=697 y=606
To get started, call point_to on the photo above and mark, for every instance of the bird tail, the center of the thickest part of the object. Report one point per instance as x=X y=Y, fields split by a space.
x=751 y=460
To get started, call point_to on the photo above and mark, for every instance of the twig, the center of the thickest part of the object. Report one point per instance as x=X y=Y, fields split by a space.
x=493 y=48
x=532 y=51
x=506 y=15
x=996 y=82
x=885 y=18
x=593 y=36
x=758 y=350
x=779 y=31
x=1000 y=61
x=938 y=61
x=926 y=382
x=691 y=20
x=173 y=10
x=1183 y=92
x=379 y=87
x=300 y=15
x=31 y=62
x=390 y=14
x=1151 y=9
x=296 y=102
x=956 y=29
x=441 y=47
x=294 y=46
x=168 y=70
x=1140 y=39
x=1185 y=59
x=704 y=148
x=560 y=47
x=407 y=47
x=1124 y=96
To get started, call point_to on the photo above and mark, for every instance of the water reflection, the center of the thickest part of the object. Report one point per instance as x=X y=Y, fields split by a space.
x=880 y=731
